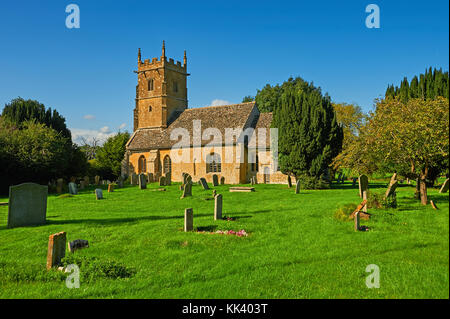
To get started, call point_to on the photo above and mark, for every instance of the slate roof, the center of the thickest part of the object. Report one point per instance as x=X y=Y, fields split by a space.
x=264 y=121
x=236 y=116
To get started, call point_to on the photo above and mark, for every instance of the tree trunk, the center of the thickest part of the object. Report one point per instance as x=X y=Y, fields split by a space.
x=423 y=189
x=417 y=192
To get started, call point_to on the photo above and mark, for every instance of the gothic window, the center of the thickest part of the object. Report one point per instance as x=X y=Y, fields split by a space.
x=142 y=164
x=167 y=164
x=150 y=85
x=175 y=86
x=213 y=163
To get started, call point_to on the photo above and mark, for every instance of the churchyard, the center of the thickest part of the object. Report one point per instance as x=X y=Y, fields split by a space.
x=268 y=241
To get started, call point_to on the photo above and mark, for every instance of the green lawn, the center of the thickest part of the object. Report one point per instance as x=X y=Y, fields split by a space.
x=295 y=247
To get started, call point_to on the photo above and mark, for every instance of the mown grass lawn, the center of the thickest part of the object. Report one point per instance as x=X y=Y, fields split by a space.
x=295 y=247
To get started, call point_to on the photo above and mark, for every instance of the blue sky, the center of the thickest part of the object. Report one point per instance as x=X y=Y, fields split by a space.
x=233 y=48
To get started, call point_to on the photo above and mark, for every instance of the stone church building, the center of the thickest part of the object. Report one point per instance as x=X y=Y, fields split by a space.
x=161 y=109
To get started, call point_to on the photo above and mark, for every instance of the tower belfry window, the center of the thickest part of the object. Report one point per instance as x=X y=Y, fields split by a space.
x=150 y=85
x=175 y=86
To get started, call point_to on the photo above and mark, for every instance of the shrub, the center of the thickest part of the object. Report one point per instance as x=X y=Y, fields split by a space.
x=343 y=212
x=377 y=200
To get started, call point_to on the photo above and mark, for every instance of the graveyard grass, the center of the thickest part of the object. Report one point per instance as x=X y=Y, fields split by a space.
x=295 y=248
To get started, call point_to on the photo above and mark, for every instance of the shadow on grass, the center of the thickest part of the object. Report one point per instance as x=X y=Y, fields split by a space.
x=209 y=228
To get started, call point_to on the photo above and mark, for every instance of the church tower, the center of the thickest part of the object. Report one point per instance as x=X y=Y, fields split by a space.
x=161 y=90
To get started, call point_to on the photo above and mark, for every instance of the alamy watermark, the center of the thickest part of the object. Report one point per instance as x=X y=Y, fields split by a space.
x=373 y=279
x=373 y=19
x=73 y=279
x=73 y=19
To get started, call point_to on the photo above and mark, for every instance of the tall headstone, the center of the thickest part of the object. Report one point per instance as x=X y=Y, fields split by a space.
x=357 y=221
x=289 y=181
x=142 y=181
x=168 y=179
x=444 y=188
x=133 y=179
x=162 y=181
x=187 y=190
x=188 y=219
x=98 y=193
x=391 y=189
x=215 y=179
x=204 y=183
x=27 y=205
x=73 y=188
x=59 y=185
x=218 y=207
x=97 y=180
x=297 y=187
x=150 y=177
x=56 y=249
x=363 y=181
x=222 y=180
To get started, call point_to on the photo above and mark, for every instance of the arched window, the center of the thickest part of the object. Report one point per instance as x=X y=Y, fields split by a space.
x=142 y=164
x=213 y=163
x=167 y=164
x=150 y=85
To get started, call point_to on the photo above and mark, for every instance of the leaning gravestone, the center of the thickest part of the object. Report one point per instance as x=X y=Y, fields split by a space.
x=142 y=181
x=215 y=180
x=297 y=187
x=59 y=185
x=77 y=244
x=162 y=181
x=391 y=189
x=98 y=193
x=27 y=205
x=204 y=183
x=56 y=249
x=363 y=181
x=289 y=181
x=444 y=188
x=73 y=188
x=187 y=190
x=222 y=180
x=188 y=219
x=218 y=207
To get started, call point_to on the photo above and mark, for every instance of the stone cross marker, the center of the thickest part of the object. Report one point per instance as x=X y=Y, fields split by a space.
x=363 y=181
x=187 y=190
x=188 y=219
x=99 y=193
x=444 y=188
x=297 y=187
x=73 y=188
x=59 y=185
x=142 y=181
x=222 y=180
x=215 y=180
x=289 y=181
x=391 y=189
x=204 y=183
x=27 y=205
x=162 y=181
x=56 y=249
x=218 y=207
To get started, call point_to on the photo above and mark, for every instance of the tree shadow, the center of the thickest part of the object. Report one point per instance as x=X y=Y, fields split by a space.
x=209 y=228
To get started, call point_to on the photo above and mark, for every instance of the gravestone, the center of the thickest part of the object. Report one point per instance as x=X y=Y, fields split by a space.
x=82 y=184
x=363 y=181
x=27 y=205
x=444 y=188
x=162 y=181
x=110 y=188
x=204 y=183
x=120 y=182
x=77 y=244
x=187 y=190
x=297 y=187
x=215 y=180
x=168 y=179
x=73 y=188
x=150 y=177
x=391 y=189
x=252 y=181
x=364 y=197
x=142 y=181
x=357 y=221
x=134 y=179
x=218 y=207
x=86 y=181
x=59 y=185
x=97 y=180
x=255 y=180
x=99 y=193
x=56 y=249
x=222 y=180
x=188 y=219
x=289 y=181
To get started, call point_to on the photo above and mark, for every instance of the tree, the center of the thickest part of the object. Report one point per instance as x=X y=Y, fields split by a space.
x=309 y=134
x=414 y=133
x=248 y=98
x=111 y=154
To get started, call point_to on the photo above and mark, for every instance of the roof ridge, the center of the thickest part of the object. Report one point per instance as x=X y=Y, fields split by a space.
x=212 y=106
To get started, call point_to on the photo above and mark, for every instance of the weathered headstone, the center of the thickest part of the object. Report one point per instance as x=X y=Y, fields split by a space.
x=289 y=181
x=120 y=182
x=27 y=205
x=59 y=185
x=204 y=183
x=188 y=219
x=56 y=249
x=150 y=177
x=86 y=181
x=357 y=221
x=73 y=188
x=297 y=187
x=187 y=190
x=252 y=181
x=77 y=244
x=162 y=181
x=218 y=207
x=222 y=180
x=110 y=188
x=168 y=179
x=215 y=179
x=255 y=180
x=444 y=188
x=133 y=179
x=363 y=181
x=391 y=189
x=99 y=193
x=82 y=185
x=142 y=181
x=97 y=180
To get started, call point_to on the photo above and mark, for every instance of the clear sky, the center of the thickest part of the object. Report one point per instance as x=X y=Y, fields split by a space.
x=233 y=49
